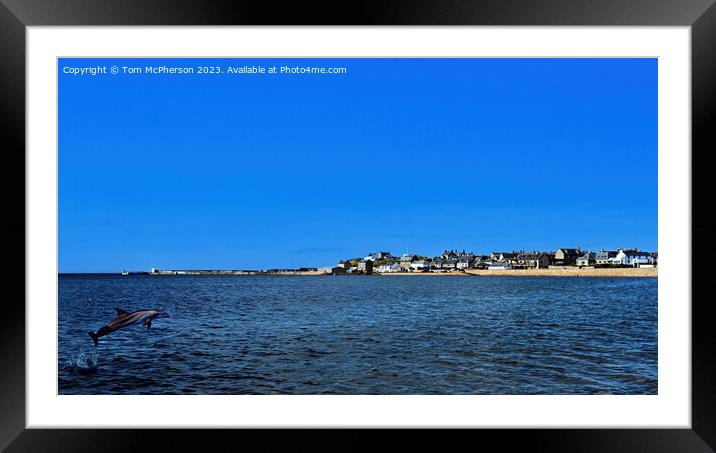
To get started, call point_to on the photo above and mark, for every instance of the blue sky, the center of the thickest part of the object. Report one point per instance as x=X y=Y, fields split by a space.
x=260 y=171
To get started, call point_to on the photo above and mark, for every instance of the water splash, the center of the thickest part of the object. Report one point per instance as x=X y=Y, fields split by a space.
x=84 y=362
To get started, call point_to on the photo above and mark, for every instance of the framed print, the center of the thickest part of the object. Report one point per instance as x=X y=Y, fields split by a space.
x=482 y=220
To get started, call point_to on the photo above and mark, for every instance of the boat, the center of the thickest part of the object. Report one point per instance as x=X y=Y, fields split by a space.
x=125 y=273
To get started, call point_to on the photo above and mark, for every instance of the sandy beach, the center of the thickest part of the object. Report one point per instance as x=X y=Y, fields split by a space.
x=567 y=272
x=438 y=274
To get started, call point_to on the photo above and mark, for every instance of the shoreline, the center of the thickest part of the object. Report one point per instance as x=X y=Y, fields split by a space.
x=644 y=272
x=567 y=272
x=641 y=272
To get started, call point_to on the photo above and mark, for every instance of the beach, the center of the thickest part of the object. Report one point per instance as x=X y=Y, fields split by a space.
x=652 y=272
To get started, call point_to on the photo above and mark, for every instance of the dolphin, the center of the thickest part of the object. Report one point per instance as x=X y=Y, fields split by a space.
x=125 y=319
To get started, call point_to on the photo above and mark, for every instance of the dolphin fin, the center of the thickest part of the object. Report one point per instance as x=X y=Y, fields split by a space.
x=94 y=337
x=120 y=312
x=148 y=323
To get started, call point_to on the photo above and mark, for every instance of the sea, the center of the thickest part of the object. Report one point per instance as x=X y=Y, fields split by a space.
x=357 y=335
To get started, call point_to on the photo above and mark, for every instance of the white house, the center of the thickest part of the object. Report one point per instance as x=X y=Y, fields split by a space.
x=382 y=268
x=420 y=265
x=388 y=268
x=499 y=266
x=604 y=256
x=633 y=258
x=465 y=262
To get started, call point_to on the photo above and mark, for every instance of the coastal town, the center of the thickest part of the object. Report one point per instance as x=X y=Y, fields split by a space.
x=562 y=261
x=459 y=261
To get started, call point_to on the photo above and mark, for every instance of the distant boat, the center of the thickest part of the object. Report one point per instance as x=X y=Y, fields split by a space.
x=125 y=273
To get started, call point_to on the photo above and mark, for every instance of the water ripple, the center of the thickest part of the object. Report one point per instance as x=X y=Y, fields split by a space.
x=412 y=335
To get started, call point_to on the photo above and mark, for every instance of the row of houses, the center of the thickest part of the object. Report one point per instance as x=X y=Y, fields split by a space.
x=622 y=257
x=453 y=260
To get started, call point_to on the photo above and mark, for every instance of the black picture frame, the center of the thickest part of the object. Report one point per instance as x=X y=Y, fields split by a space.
x=16 y=15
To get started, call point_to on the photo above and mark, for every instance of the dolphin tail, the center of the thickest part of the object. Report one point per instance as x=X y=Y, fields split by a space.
x=94 y=337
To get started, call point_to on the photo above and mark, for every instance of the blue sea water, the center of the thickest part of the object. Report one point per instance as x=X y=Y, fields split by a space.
x=360 y=335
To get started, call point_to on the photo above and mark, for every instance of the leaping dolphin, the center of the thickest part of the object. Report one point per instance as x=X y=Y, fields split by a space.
x=125 y=319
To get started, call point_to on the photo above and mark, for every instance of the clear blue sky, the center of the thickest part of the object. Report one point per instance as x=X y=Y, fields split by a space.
x=258 y=171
